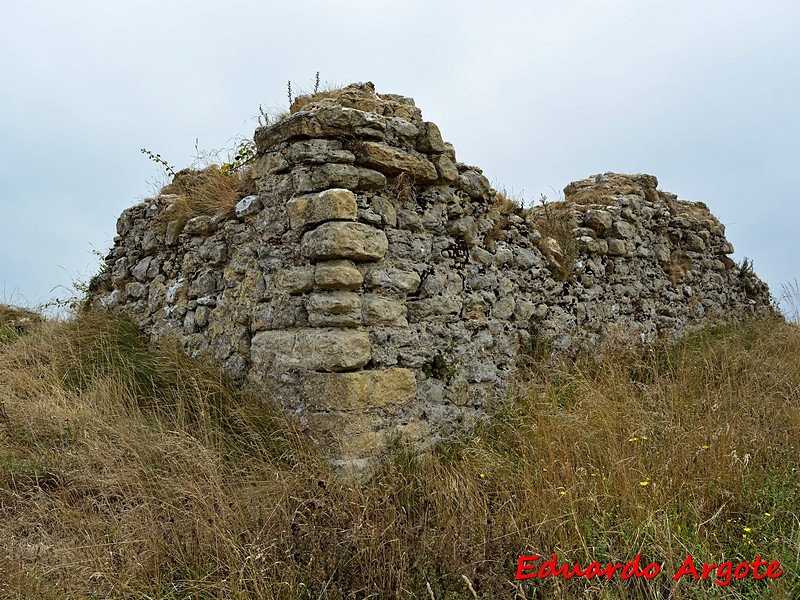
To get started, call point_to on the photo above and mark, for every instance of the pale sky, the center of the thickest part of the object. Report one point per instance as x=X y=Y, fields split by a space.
x=702 y=94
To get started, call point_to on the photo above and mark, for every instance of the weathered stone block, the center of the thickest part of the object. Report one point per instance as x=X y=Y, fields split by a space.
x=355 y=241
x=378 y=310
x=363 y=389
x=311 y=349
x=599 y=220
x=392 y=161
x=329 y=205
x=319 y=152
x=334 y=309
x=338 y=275
x=623 y=229
x=430 y=139
x=394 y=279
x=335 y=349
x=248 y=206
x=296 y=280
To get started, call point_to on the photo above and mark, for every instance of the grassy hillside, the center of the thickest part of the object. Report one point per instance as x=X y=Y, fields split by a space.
x=132 y=472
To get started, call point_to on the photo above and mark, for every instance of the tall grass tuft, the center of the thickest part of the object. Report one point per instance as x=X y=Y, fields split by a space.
x=132 y=472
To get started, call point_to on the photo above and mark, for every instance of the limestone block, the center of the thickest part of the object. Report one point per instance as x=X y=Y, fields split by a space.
x=335 y=349
x=378 y=310
x=337 y=239
x=334 y=309
x=619 y=247
x=327 y=176
x=662 y=253
x=394 y=279
x=329 y=121
x=392 y=161
x=311 y=349
x=445 y=167
x=296 y=280
x=338 y=275
x=330 y=205
x=319 y=152
x=430 y=139
x=623 y=229
x=370 y=180
x=385 y=209
x=269 y=162
x=363 y=389
x=199 y=225
x=140 y=270
x=248 y=206
x=598 y=220
x=135 y=290
x=503 y=308
x=474 y=184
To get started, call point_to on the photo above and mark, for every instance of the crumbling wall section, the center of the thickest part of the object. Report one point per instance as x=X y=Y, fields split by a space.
x=380 y=289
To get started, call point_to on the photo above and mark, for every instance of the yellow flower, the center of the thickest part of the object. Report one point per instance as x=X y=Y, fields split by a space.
x=747 y=529
x=563 y=493
x=633 y=439
x=644 y=483
x=483 y=475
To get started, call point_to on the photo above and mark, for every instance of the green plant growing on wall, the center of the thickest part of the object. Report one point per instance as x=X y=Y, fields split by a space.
x=442 y=366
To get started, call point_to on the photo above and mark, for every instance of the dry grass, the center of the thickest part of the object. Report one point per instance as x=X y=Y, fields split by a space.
x=127 y=472
x=208 y=191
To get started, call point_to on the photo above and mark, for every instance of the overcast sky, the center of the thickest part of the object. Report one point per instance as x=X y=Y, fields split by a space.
x=701 y=93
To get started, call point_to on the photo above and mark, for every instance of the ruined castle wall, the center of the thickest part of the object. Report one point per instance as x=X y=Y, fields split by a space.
x=379 y=288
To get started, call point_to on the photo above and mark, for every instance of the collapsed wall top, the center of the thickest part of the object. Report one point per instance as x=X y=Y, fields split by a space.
x=380 y=289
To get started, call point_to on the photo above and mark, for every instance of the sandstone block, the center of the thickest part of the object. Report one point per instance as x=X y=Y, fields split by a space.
x=329 y=205
x=363 y=389
x=334 y=309
x=338 y=275
x=338 y=239
x=392 y=161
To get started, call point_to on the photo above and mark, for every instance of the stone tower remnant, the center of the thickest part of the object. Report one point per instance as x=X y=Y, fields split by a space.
x=380 y=289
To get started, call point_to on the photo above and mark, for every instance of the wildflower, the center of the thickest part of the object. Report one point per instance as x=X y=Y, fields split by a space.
x=633 y=439
x=644 y=483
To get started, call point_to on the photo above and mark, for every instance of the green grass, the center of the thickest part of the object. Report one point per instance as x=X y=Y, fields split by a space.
x=133 y=472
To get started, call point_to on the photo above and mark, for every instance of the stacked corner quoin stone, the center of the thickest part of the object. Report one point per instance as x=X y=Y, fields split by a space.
x=380 y=290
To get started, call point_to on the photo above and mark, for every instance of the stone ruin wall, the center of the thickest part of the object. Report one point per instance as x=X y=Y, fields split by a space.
x=379 y=289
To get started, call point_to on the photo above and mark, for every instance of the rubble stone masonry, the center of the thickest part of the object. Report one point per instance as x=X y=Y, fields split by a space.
x=379 y=289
